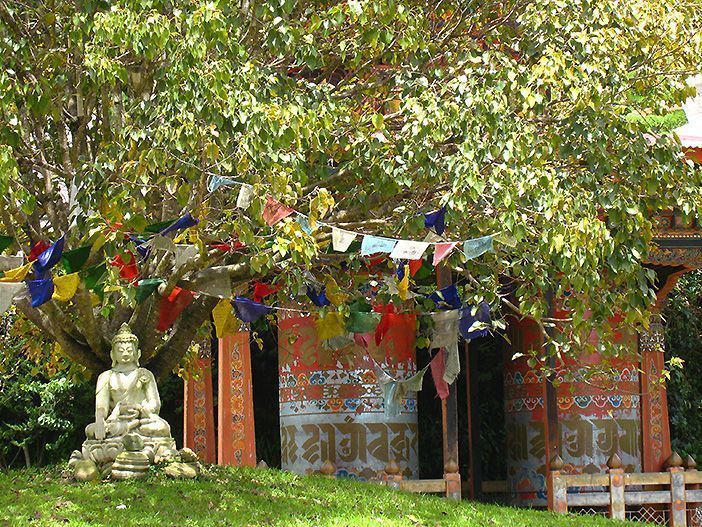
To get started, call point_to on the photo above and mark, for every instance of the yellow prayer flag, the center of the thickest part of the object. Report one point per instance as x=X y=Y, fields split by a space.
x=17 y=274
x=330 y=325
x=403 y=285
x=65 y=287
x=334 y=293
x=225 y=321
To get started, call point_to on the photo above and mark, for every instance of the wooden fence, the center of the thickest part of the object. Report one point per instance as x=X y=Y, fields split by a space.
x=667 y=498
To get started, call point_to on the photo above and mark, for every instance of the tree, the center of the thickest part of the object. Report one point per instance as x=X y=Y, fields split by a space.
x=513 y=114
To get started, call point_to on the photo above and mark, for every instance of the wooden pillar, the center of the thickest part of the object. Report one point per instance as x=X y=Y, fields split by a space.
x=449 y=406
x=236 y=439
x=552 y=438
x=556 y=489
x=472 y=426
x=198 y=411
x=617 y=506
x=678 y=501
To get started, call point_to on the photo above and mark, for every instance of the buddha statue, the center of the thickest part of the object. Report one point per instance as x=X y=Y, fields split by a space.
x=126 y=404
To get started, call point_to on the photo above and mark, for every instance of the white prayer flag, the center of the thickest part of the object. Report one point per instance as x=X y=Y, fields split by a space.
x=243 y=200
x=185 y=253
x=8 y=292
x=408 y=250
x=341 y=239
x=10 y=262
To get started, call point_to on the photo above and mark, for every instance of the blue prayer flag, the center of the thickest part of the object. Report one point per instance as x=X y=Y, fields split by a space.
x=436 y=220
x=468 y=319
x=477 y=246
x=247 y=310
x=50 y=257
x=180 y=224
x=447 y=298
x=374 y=244
x=41 y=291
x=319 y=298
x=217 y=181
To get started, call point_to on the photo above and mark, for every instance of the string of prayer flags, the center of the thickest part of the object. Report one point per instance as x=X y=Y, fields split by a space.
x=128 y=269
x=180 y=224
x=330 y=325
x=438 y=365
x=75 y=259
x=304 y=223
x=5 y=242
x=318 y=296
x=274 y=211
x=8 y=292
x=442 y=250
x=172 y=306
x=49 y=256
x=341 y=239
x=41 y=291
x=436 y=220
x=37 y=249
x=65 y=287
x=212 y=281
x=10 y=262
x=248 y=310
x=145 y=288
x=447 y=298
x=218 y=181
x=262 y=290
x=408 y=250
x=375 y=244
x=225 y=321
x=360 y=322
x=446 y=336
x=245 y=197
x=473 y=326
x=18 y=274
x=477 y=246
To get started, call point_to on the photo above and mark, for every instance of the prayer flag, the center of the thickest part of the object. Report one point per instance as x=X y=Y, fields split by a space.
x=245 y=197
x=359 y=322
x=161 y=243
x=442 y=250
x=248 y=310
x=224 y=319
x=333 y=292
x=385 y=321
x=374 y=244
x=5 y=242
x=75 y=259
x=184 y=254
x=262 y=290
x=408 y=250
x=158 y=227
x=218 y=181
x=414 y=266
x=473 y=326
x=304 y=223
x=341 y=239
x=446 y=336
x=447 y=298
x=128 y=269
x=65 y=287
x=37 y=249
x=212 y=281
x=477 y=246
x=318 y=296
x=436 y=220
x=18 y=274
x=40 y=291
x=274 y=211
x=438 y=365
x=330 y=325
x=403 y=285
x=8 y=292
x=146 y=287
x=10 y=262
x=50 y=256
x=180 y=224
x=172 y=306
x=93 y=277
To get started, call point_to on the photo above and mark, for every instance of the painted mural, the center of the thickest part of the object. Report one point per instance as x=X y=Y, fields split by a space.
x=331 y=406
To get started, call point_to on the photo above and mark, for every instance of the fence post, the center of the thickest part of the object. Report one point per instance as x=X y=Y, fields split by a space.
x=556 y=488
x=691 y=466
x=617 y=506
x=678 y=505
x=393 y=477
x=328 y=469
x=453 y=480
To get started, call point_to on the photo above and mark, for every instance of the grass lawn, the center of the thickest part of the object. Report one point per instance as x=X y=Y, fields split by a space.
x=251 y=497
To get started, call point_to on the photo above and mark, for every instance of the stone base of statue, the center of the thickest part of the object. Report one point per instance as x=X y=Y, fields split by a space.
x=106 y=450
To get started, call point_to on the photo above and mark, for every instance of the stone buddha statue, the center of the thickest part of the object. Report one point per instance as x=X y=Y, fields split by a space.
x=126 y=405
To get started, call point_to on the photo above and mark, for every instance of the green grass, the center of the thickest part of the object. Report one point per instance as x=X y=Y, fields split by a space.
x=251 y=497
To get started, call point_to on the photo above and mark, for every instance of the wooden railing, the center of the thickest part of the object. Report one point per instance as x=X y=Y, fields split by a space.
x=669 y=497
x=449 y=485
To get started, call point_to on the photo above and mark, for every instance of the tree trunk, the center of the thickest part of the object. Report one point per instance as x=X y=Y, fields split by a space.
x=27 y=459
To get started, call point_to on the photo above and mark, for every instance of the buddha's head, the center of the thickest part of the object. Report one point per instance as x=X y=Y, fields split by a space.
x=125 y=347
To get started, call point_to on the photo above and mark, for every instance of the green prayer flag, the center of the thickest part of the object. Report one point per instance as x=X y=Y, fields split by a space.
x=92 y=276
x=5 y=242
x=75 y=259
x=359 y=322
x=158 y=227
x=360 y=305
x=146 y=287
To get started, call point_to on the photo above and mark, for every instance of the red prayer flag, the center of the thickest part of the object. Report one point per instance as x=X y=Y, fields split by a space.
x=172 y=306
x=414 y=266
x=441 y=251
x=274 y=211
x=385 y=321
x=37 y=249
x=127 y=270
x=262 y=290
x=438 y=365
